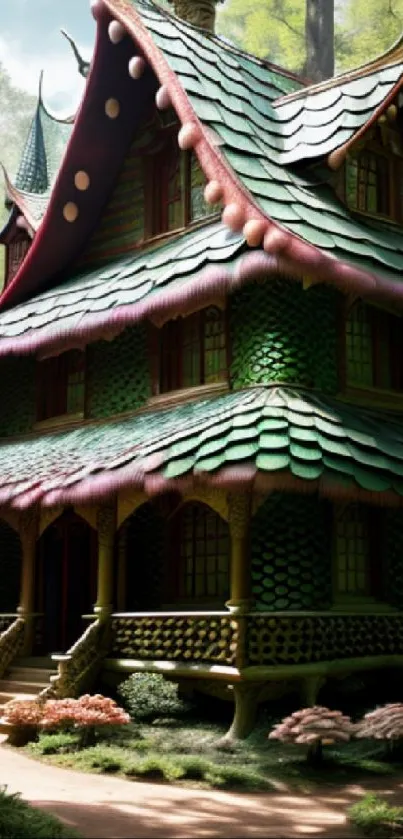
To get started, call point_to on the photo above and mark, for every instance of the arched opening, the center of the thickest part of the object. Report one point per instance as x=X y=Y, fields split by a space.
x=198 y=543
x=66 y=574
x=140 y=549
x=11 y=562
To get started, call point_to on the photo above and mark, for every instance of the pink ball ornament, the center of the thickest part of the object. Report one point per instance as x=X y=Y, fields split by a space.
x=254 y=231
x=233 y=217
x=137 y=66
x=213 y=192
x=162 y=98
x=116 y=31
x=96 y=9
x=188 y=136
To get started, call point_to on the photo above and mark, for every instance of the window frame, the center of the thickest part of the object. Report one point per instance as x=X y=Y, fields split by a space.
x=51 y=370
x=175 y=564
x=385 y=331
x=156 y=189
x=19 y=238
x=380 y=146
x=175 y=334
x=373 y=519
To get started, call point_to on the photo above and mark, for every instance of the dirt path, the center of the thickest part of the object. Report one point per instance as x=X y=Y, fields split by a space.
x=112 y=808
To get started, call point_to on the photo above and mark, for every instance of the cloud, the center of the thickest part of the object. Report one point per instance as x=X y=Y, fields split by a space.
x=62 y=83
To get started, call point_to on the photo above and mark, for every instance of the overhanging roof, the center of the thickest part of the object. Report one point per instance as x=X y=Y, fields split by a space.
x=264 y=438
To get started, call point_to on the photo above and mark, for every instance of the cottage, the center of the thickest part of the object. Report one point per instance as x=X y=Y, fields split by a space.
x=201 y=357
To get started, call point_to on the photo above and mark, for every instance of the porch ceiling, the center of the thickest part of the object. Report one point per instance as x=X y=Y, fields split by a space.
x=264 y=437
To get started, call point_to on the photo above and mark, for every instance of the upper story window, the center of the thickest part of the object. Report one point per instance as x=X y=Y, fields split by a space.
x=374 y=173
x=358 y=563
x=17 y=248
x=374 y=348
x=199 y=539
x=174 y=189
x=192 y=351
x=61 y=385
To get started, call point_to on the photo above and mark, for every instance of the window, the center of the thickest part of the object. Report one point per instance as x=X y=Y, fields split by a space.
x=61 y=385
x=357 y=556
x=374 y=348
x=16 y=251
x=174 y=189
x=192 y=351
x=201 y=554
x=367 y=183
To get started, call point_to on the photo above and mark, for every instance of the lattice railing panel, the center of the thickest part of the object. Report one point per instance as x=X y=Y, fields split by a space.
x=300 y=639
x=196 y=639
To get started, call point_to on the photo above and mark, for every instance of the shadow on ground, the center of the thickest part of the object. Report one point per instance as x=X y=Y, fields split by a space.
x=232 y=817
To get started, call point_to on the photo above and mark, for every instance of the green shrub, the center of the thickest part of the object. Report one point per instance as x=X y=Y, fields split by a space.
x=18 y=819
x=148 y=696
x=375 y=817
x=62 y=742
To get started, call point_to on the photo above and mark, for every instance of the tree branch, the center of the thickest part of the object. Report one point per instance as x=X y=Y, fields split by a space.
x=285 y=22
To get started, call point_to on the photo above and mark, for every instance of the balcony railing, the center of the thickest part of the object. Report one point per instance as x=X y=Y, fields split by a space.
x=191 y=637
x=262 y=639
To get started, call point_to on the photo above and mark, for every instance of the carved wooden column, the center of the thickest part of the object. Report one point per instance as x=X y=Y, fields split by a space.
x=121 y=568
x=106 y=527
x=28 y=530
x=240 y=576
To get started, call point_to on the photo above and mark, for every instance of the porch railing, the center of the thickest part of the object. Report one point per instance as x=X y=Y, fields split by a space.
x=11 y=639
x=256 y=639
x=78 y=668
x=191 y=637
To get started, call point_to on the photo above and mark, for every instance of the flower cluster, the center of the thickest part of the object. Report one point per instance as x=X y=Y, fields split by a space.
x=55 y=713
x=86 y=711
x=23 y=712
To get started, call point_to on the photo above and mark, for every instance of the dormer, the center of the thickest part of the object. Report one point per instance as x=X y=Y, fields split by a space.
x=16 y=238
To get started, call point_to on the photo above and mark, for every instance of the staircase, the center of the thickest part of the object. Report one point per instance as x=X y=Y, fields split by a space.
x=24 y=679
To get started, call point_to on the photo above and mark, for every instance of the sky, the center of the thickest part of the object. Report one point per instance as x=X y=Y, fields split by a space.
x=30 y=41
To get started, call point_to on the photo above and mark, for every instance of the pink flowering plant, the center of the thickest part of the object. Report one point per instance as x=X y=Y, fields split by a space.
x=86 y=715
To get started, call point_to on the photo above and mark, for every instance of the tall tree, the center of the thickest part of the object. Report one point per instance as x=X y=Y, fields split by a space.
x=319 y=39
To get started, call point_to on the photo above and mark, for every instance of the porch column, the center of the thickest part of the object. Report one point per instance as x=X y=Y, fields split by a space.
x=239 y=505
x=28 y=530
x=106 y=527
x=121 y=568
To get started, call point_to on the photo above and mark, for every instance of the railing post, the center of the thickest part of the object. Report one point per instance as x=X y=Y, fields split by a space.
x=106 y=526
x=28 y=530
x=240 y=574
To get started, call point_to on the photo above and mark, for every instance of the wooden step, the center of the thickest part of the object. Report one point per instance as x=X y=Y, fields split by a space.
x=8 y=696
x=29 y=674
x=13 y=686
x=37 y=662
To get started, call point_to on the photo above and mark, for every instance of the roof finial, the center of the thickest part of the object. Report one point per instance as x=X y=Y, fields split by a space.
x=83 y=66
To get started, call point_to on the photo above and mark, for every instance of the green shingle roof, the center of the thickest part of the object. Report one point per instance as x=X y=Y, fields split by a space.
x=141 y=278
x=315 y=124
x=271 y=432
x=234 y=94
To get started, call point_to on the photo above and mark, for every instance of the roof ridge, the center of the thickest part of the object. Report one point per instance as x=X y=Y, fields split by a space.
x=395 y=53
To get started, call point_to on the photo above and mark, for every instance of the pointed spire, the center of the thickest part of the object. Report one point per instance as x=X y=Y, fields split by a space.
x=83 y=66
x=32 y=175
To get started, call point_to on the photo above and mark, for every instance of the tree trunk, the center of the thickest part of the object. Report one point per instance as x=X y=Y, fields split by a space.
x=319 y=39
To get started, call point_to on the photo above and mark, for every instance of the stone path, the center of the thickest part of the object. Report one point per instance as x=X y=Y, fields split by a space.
x=112 y=808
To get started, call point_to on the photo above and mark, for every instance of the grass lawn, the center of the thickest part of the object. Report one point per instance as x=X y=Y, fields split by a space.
x=374 y=817
x=188 y=752
x=19 y=820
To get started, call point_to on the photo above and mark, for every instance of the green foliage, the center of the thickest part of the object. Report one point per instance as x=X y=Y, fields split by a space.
x=275 y=29
x=148 y=696
x=62 y=742
x=375 y=817
x=18 y=819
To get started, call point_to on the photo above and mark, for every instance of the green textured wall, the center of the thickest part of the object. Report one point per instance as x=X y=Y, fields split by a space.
x=281 y=333
x=118 y=376
x=291 y=553
x=393 y=556
x=17 y=410
x=10 y=560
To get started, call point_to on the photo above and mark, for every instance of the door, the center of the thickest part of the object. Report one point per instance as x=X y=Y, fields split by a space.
x=66 y=580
